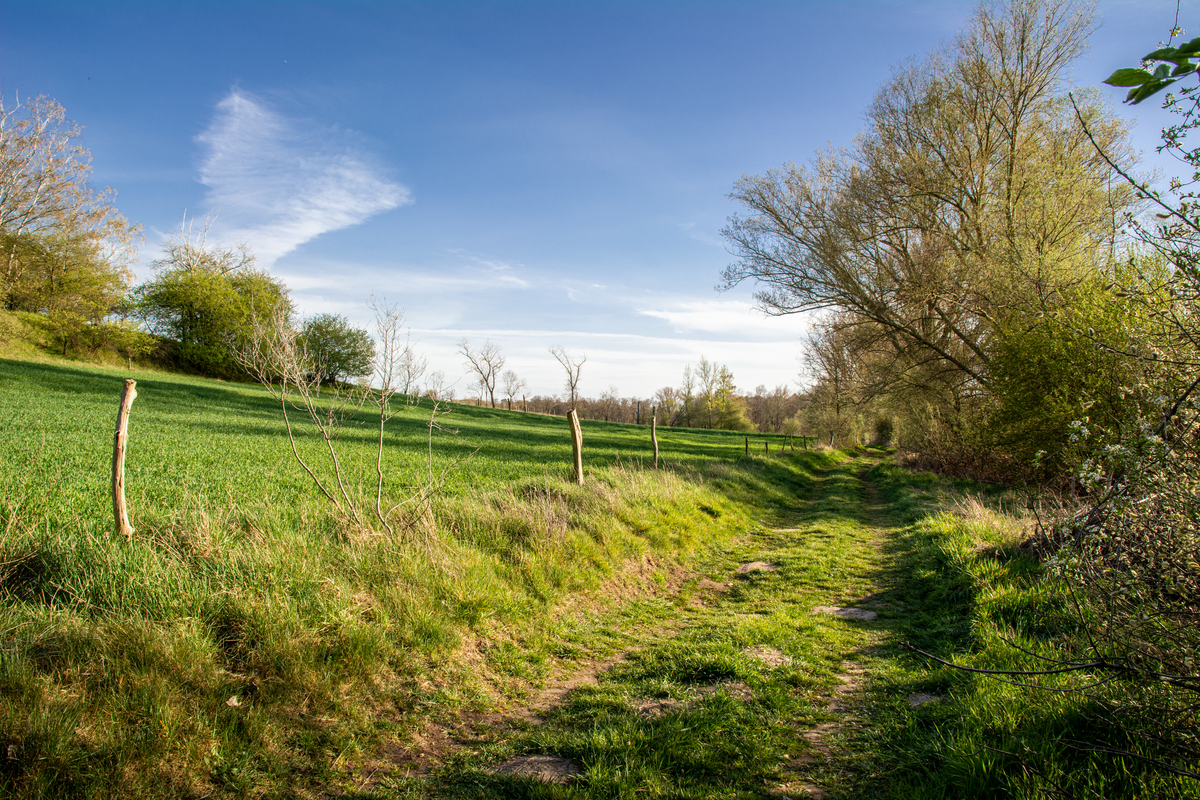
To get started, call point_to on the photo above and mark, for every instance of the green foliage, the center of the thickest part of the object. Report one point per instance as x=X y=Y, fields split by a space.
x=971 y=204
x=205 y=299
x=63 y=245
x=1068 y=366
x=884 y=430
x=1146 y=84
x=58 y=274
x=340 y=351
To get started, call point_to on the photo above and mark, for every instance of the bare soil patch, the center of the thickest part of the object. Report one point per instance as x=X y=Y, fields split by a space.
x=768 y=655
x=757 y=566
x=548 y=769
x=846 y=613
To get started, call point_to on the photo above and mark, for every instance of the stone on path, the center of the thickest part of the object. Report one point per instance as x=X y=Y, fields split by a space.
x=757 y=566
x=548 y=769
x=845 y=613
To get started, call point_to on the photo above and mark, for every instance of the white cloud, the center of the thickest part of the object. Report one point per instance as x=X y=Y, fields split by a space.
x=278 y=184
x=726 y=317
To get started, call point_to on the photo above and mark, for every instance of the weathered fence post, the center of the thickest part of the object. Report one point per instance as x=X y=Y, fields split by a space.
x=767 y=448
x=577 y=445
x=118 y=463
x=747 y=445
x=654 y=432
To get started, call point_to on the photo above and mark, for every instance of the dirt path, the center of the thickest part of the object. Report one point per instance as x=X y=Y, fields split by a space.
x=746 y=683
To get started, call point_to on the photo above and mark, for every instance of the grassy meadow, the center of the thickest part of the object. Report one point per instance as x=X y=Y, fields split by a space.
x=250 y=640
x=250 y=643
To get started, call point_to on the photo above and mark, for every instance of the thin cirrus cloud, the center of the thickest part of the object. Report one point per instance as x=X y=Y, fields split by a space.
x=278 y=184
x=737 y=317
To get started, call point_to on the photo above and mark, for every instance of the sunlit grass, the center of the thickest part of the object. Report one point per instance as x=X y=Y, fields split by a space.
x=248 y=640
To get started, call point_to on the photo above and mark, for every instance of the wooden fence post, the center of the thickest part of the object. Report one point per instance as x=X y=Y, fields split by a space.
x=654 y=432
x=747 y=445
x=118 y=464
x=767 y=448
x=577 y=445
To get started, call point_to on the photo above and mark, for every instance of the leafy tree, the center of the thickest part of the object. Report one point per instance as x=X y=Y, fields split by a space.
x=339 y=350
x=64 y=248
x=729 y=409
x=205 y=298
x=973 y=201
x=1129 y=557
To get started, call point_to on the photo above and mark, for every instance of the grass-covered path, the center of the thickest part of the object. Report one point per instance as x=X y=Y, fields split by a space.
x=758 y=678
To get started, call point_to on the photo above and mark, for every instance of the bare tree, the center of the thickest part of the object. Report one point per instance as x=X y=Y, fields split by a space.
x=513 y=384
x=392 y=368
x=610 y=400
x=276 y=357
x=486 y=363
x=573 y=369
x=435 y=385
x=410 y=368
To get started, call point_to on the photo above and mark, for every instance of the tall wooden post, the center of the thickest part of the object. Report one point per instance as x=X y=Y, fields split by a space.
x=654 y=433
x=767 y=448
x=577 y=445
x=118 y=463
x=747 y=445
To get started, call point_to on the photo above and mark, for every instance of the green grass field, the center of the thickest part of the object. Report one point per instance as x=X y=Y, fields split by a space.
x=121 y=663
x=249 y=642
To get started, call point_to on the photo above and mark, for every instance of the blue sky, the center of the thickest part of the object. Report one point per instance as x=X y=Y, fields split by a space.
x=530 y=173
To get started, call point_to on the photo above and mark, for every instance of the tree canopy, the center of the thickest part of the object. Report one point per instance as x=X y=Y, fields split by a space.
x=339 y=350
x=205 y=298
x=64 y=247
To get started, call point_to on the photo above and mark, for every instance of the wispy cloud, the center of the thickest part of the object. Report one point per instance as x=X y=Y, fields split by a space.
x=278 y=183
x=738 y=317
x=696 y=234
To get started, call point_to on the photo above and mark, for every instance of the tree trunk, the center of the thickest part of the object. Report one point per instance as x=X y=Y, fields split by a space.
x=577 y=445
x=120 y=514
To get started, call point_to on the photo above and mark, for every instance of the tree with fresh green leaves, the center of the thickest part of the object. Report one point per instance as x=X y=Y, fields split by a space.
x=205 y=297
x=338 y=350
x=65 y=250
x=969 y=206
